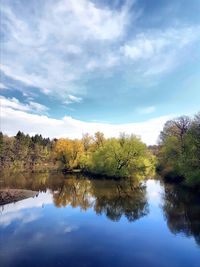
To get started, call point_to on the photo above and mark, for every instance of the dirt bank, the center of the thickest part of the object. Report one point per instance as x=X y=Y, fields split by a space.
x=13 y=195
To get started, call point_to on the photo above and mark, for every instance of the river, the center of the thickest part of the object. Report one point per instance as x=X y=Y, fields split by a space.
x=79 y=221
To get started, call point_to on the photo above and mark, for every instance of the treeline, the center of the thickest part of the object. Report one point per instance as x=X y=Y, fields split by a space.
x=179 y=150
x=23 y=152
x=118 y=157
x=177 y=156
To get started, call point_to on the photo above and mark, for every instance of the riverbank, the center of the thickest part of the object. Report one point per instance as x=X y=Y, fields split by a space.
x=13 y=195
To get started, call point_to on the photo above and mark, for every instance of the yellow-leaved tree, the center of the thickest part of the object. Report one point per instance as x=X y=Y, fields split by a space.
x=68 y=152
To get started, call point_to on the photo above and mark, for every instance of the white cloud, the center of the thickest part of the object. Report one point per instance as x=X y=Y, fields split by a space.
x=14 y=120
x=39 y=108
x=3 y=86
x=150 y=44
x=90 y=20
x=154 y=192
x=159 y=51
x=7 y=219
x=73 y=49
x=108 y=61
x=60 y=42
x=17 y=211
x=72 y=99
x=11 y=73
x=140 y=49
x=13 y=103
x=73 y=38
x=16 y=105
x=29 y=203
x=70 y=228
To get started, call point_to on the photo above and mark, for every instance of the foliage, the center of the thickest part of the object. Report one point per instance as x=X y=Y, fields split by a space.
x=179 y=156
x=118 y=157
x=23 y=152
x=116 y=199
x=181 y=208
x=68 y=152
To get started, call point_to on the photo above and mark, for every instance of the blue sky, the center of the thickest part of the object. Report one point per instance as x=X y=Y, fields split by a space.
x=111 y=63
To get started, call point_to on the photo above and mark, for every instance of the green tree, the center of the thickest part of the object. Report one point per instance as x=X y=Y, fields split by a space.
x=121 y=157
x=179 y=156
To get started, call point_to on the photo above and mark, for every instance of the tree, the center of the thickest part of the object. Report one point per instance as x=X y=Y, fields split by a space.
x=179 y=155
x=121 y=159
x=176 y=128
x=99 y=140
x=68 y=152
x=21 y=149
x=7 y=153
x=1 y=148
x=87 y=141
x=23 y=152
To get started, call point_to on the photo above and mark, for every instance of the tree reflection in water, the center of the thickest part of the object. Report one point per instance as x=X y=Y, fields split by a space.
x=182 y=211
x=110 y=197
x=114 y=198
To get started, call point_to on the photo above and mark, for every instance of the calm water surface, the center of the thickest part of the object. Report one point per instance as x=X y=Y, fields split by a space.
x=75 y=221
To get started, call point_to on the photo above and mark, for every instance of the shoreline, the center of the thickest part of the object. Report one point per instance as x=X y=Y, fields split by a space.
x=13 y=195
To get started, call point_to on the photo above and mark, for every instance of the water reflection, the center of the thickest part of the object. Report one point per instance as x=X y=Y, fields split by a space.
x=182 y=211
x=110 y=197
x=60 y=226
x=114 y=198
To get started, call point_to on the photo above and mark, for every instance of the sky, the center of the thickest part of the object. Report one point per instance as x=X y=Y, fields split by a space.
x=68 y=67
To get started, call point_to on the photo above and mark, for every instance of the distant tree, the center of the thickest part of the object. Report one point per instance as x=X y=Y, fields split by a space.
x=87 y=141
x=176 y=129
x=7 y=152
x=99 y=139
x=21 y=149
x=1 y=148
x=23 y=152
x=179 y=155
